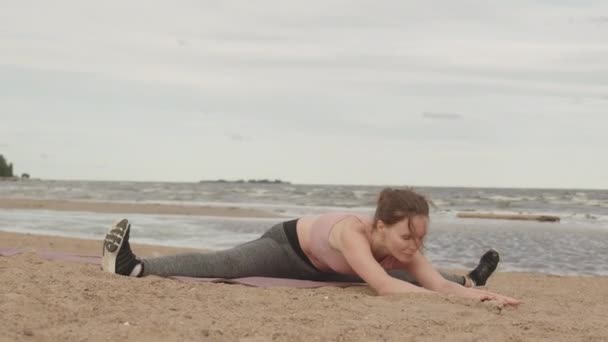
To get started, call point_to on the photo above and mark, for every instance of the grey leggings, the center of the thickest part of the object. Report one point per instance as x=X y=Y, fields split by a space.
x=271 y=255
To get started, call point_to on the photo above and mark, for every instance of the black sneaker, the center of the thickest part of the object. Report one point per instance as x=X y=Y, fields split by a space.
x=487 y=266
x=117 y=256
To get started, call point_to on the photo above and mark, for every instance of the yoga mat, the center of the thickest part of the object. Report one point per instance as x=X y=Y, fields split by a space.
x=248 y=281
x=10 y=251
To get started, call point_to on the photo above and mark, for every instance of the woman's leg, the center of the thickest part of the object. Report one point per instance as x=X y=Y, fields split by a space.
x=477 y=277
x=399 y=274
x=269 y=256
x=403 y=275
x=263 y=257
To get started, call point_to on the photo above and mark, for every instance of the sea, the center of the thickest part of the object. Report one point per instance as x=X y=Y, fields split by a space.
x=577 y=245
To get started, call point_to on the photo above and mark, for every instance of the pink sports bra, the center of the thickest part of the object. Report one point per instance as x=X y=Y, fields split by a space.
x=330 y=259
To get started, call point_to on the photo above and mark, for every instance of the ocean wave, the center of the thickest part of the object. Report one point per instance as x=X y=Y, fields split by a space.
x=295 y=200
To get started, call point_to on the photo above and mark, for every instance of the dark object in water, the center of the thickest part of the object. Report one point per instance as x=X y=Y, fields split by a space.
x=541 y=218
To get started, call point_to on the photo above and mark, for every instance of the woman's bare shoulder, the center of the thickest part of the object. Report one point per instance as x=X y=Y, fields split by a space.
x=346 y=228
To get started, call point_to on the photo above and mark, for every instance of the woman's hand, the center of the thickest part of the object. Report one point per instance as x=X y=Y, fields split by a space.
x=487 y=295
x=473 y=293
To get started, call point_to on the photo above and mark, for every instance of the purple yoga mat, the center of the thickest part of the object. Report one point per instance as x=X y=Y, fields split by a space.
x=62 y=256
x=249 y=281
x=271 y=282
x=10 y=251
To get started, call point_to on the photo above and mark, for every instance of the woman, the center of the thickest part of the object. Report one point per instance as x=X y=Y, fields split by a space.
x=383 y=251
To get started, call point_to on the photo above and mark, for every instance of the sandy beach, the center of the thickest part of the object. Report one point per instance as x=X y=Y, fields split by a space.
x=64 y=301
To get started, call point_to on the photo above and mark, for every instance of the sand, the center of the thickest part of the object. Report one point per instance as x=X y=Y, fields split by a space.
x=44 y=300
x=62 y=301
x=130 y=208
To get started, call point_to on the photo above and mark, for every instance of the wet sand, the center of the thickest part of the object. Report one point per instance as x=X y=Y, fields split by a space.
x=130 y=207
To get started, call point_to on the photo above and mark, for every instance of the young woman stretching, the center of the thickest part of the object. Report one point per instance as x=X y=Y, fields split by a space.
x=383 y=251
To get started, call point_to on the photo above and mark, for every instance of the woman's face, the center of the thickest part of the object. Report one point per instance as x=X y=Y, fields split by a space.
x=403 y=242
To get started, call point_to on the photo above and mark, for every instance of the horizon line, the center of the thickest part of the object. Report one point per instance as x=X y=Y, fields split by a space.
x=286 y=182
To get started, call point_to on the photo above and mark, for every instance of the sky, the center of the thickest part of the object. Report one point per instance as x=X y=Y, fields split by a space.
x=435 y=93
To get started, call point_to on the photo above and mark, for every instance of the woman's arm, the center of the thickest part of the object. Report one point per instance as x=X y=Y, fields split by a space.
x=429 y=278
x=355 y=247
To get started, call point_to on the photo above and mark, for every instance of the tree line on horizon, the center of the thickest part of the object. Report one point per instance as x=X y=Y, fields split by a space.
x=239 y=181
x=6 y=169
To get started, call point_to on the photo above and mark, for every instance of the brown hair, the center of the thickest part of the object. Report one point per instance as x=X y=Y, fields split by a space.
x=396 y=204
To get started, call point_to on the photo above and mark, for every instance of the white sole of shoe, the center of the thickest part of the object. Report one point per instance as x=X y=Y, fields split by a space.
x=112 y=244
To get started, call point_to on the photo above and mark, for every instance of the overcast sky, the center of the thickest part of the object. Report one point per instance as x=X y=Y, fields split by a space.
x=461 y=93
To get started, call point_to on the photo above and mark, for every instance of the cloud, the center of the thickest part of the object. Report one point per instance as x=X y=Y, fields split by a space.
x=210 y=74
x=603 y=19
x=442 y=116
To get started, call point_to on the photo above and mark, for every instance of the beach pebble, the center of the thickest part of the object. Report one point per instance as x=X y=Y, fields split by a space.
x=126 y=323
x=28 y=332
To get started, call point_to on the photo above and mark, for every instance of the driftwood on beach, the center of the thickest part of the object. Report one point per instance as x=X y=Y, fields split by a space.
x=523 y=217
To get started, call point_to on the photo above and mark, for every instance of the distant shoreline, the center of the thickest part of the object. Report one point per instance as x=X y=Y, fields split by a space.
x=379 y=186
x=249 y=181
